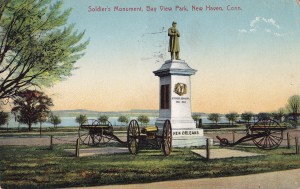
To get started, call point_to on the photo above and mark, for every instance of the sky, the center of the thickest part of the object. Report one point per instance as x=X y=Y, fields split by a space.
x=247 y=59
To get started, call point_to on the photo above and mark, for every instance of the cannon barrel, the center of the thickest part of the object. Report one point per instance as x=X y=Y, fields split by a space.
x=150 y=129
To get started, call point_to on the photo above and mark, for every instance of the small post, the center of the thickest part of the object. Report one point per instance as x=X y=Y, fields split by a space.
x=297 y=145
x=200 y=123
x=288 y=140
x=40 y=129
x=207 y=149
x=51 y=142
x=77 y=148
x=233 y=137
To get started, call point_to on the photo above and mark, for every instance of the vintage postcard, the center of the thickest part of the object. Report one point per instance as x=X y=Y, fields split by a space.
x=149 y=93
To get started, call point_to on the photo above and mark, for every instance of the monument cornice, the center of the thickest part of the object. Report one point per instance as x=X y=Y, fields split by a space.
x=175 y=67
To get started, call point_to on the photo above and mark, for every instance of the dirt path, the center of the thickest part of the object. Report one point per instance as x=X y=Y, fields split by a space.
x=274 y=180
x=36 y=141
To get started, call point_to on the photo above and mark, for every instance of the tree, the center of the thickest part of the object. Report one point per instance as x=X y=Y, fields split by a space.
x=196 y=118
x=263 y=116
x=37 y=48
x=3 y=118
x=81 y=119
x=55 y=120
x=123 y=119
x=247 y=116
x=233 y=116
x=41 y=119
x=214 y=117
x=293 y=107
x=31 y=106
x=103 y=119
x=279 y=114
x=143 y=119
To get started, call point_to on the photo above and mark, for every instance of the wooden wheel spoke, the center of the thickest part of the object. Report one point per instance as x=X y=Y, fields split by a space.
x=274 y=142
x=89 y=139
x=86 y=137
x=277 y=137
x=264 y=141
x=270 y=142
x=260 y=141
x=131 y=140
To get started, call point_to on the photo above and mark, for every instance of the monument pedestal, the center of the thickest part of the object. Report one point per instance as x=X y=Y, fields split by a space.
x=175 y=103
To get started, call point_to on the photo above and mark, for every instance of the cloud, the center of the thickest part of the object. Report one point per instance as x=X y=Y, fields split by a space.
x=243 y=31
x=260 y=21
x=265 y=25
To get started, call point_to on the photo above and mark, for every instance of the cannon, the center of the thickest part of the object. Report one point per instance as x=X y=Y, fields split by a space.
x=94 y=132
x=266 y=134
x=149 y=136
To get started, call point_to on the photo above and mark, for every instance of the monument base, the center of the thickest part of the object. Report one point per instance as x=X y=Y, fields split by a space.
x=182 y=123
x=189 y=138
x=190 y=141
x=185 y=133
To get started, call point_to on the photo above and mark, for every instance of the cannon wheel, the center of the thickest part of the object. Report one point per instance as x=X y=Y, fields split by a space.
x=104 y=137
x=224 y=142
x=271 y=132
x=133 y=137
x=167 y=138
x=88 y=135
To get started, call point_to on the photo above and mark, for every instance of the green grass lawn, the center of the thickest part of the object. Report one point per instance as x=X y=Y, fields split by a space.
x=39 y=167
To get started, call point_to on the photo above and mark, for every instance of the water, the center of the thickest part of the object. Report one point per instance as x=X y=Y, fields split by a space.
x=70 y=121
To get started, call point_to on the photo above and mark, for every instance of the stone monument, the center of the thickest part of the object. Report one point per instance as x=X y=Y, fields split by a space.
x=175 y=97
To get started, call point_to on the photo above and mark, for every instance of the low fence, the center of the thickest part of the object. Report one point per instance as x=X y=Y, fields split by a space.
x=76 y=143
x=288 y=138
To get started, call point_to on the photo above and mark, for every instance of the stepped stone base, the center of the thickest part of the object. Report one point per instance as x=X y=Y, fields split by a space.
x=189 y=138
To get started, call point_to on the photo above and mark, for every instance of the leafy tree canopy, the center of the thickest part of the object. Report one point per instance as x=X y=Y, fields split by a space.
x=123 y=119
x=293 y=104
x=247 y=116
x=103 y=118
x=3 y=118
x=293 y=108
x=233 y=116
x=196 y=117
x=31 y=107
x=55 y=120
x=37 y=48
x=143 y=119
x=263 y=116
x=81 y=119
x=214 y=117
x=279 y=114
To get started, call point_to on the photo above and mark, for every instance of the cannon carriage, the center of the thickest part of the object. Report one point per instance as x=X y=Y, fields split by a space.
x=266 y=134
x=152 y=136
x=94 y=132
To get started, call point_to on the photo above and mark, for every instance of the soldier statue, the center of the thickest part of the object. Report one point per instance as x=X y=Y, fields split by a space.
x=174 y=41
